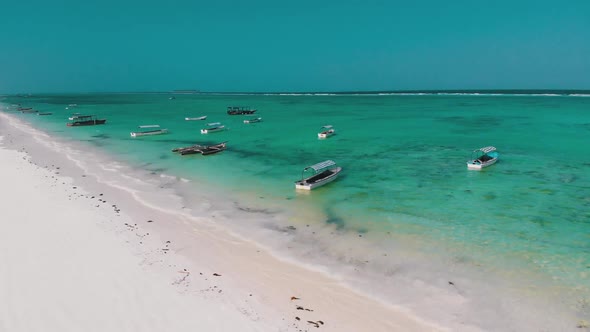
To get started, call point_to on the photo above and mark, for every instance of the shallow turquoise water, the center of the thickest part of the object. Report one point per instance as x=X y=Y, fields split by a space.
x=403 y=159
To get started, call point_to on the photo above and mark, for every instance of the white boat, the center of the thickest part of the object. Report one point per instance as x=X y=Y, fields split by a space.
x=213 y=128
x=483 y=157
x=196 y=119
x=326 y=131
x=70 y=106
x=151 y=131
x=322 y=173
x=253 y=120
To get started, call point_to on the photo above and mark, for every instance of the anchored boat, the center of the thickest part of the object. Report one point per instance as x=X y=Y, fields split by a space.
x=196 y=119
x=253 y=120
x=240 y=110
x=326 y=131
x=483 y=157
x=202 y=149
x=149 y=130
x=85 y=120
x=213 y=128
x=321 y=174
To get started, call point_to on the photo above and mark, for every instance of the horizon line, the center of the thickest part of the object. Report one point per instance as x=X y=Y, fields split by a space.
x=343 y=92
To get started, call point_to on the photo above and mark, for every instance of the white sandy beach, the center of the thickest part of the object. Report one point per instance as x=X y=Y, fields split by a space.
x=80 y=255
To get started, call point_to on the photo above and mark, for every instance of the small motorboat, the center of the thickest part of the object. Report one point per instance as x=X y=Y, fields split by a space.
x=151 y=130
x=196 y=119
x=326 y=131
x=44 y=113
x=322 y=173
x=482 y=158
x=253 y=120
x=213 y=127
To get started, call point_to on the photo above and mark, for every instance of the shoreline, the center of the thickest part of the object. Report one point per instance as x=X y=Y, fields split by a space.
x=455 y=305
x=244 y=267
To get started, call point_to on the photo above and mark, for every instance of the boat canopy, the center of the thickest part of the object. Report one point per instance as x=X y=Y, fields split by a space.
x=320 y=166
x=214 y=124
x=327 y=126
x=486 y=149
x=80 y=117
x=150 y=126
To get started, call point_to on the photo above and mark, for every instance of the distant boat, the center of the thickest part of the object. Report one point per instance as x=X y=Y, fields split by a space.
x=85 y=120
x=213 y=128
x=70 y=106
x=202 y=149
x=27 y=110
x=196 y=119
x=150 y=132
x=240 y=110
x=253 y=120
x=482 y=158
x=322 y=173
x=45 y=113
x=171 y=98
x=326 y=131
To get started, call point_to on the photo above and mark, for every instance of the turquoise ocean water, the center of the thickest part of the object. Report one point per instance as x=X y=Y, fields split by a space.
x=403 y=159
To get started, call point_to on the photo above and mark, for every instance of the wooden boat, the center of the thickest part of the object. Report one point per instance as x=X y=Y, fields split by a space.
x=196 y=119
x=253 y=120
x=326 y=131
x=85 y=120
x=151 y=130
x=45 y=113
x=322 y=173
x=202 y=149
x=27 y=110
x=213 y=128
x=240 y=110
x=482 y=158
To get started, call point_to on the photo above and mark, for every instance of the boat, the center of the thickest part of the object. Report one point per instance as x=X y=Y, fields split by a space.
x=45 y=113
x=213 y=128
x=253 y=120
x=27 y=110
x=326 y=131
x=150 y=132
x=483 y=157
x=74 y=116
x=85 y=120
x=202 y=149
x=240 y=110
x=196 y=119
x=322 y=173
x=70 y=106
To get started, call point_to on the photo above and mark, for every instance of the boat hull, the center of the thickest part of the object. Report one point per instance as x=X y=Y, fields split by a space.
x=196 y=119
x=86 y=123
x=149 y=133
x=476 y=165
x=304 y=185
x=212 y=130
x=326 y=134
x=253 y=120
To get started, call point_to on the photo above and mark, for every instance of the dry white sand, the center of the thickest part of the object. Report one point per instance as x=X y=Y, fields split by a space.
x=71 y=262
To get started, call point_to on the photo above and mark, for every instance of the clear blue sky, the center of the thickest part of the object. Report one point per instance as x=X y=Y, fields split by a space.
x=107 y=45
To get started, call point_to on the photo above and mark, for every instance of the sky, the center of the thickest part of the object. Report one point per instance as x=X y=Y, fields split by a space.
x=252 y=46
